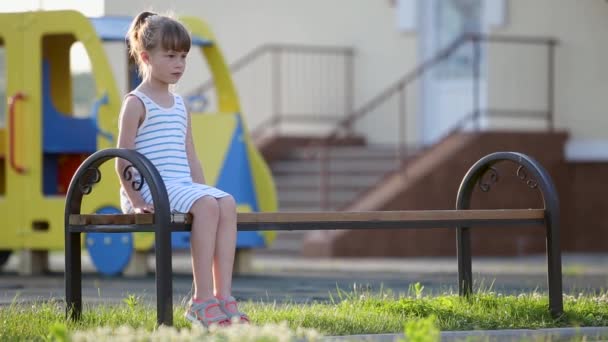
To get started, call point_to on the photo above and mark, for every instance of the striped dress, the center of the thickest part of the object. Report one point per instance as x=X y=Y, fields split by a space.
x=161 y=137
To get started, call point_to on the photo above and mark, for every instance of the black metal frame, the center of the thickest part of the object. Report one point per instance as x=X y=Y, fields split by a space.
x=539 y=179
x=162 y=228
x=82 y=183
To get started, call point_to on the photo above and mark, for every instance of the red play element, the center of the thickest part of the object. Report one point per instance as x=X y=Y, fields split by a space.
x=67 y=166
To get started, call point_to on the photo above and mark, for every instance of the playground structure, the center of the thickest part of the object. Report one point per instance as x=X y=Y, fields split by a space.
x=44 y=142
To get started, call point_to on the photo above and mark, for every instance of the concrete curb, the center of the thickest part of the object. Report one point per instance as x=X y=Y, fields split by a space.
x=552 y=334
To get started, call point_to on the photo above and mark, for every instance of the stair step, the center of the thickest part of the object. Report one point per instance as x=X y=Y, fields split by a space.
x=284 y=188
x=313 y=195
x=346 y=152
x=313 y=181
x=337 y=166
x=308 y=207
x=313 y=205
x=352 y=170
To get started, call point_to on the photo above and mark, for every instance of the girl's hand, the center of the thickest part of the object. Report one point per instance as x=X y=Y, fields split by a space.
x=146 y=208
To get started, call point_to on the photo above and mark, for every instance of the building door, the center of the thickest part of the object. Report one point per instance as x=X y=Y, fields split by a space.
x=448 y=89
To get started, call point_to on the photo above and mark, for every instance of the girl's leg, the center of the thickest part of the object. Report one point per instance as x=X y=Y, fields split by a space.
x=225 y=247
x=205 y=212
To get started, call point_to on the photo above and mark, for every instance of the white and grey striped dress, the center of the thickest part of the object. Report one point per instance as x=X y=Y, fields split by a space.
x=162 y=138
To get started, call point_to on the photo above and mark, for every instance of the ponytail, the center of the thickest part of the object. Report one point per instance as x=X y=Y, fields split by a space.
x=133 y=38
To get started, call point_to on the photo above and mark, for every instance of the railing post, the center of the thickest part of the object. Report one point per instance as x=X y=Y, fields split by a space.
x=401 y=123
x=276 y=87
x=550 y=85
x=476 y=75
x=349 y=88
x=324 y=175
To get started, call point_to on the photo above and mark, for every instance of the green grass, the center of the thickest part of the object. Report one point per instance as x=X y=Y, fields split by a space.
x=351 y=313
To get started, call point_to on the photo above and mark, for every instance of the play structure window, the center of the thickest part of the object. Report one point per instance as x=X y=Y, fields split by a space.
x=3 y=82
x=70 y=106
x=83 y=84
x=196 y=85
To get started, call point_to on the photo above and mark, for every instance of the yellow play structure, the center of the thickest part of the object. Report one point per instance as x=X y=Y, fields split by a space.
x=42 y=141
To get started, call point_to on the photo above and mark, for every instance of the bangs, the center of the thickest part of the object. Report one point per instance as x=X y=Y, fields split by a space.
x=174 y=37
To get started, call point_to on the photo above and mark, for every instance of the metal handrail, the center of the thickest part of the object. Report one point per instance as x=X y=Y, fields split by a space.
x=400 y=86
x=415 y=74
x=280 y=94
x=234 y=67
x=263 y=49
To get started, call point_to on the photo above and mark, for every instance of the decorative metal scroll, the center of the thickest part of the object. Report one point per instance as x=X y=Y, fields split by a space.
x=521 y=174
x=491 y=177
x=89 y=178
x=488 y=178
x=127 y=174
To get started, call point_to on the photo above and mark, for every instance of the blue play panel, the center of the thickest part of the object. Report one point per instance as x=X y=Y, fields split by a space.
x=110 y=253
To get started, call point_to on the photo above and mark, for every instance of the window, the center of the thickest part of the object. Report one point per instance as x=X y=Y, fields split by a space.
x=453 y=19
x=2 y=84
x=3 y=108
x=83 y=84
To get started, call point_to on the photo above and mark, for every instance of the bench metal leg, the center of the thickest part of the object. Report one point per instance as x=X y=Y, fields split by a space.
x=164 y=280
x=465 y=271
x=73 y=275
x=554 y=264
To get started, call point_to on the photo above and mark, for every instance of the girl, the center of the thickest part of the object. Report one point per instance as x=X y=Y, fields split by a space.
x=154 y=122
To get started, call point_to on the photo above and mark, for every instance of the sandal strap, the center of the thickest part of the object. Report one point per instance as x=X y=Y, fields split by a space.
x=203 y=307
x=228 y=301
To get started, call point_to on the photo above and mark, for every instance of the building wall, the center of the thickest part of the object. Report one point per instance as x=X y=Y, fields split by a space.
x=516 y=75
x=383 y=54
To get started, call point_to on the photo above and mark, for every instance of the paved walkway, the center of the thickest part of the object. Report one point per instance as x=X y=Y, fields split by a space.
x=303 y=280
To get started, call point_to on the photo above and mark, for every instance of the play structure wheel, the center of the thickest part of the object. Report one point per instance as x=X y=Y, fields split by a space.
x=110 y=253
x=4 y=255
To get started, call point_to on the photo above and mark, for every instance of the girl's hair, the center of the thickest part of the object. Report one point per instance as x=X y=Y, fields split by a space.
x=150 y=31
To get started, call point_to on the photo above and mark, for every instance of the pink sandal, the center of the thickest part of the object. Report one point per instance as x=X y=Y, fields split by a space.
x=198 y=313
x=230 y=308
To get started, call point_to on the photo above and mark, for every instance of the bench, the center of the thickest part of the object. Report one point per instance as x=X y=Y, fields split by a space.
x=162 y=222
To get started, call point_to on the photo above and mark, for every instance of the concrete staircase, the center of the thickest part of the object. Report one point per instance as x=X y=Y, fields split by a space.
x=431 y=180
x=352 y=170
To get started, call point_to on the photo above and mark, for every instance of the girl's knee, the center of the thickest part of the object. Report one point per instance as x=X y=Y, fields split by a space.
x=206 y=206
x=227 y=203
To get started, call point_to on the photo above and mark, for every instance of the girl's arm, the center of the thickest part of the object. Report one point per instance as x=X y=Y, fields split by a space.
x=131 y=116
x=195 y=164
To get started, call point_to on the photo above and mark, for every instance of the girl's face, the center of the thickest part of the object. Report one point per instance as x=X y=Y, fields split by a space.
x=166 y=66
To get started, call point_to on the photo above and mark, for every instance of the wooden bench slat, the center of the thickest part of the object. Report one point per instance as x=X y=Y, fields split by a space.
x=298 y=218
x=120 y=219
x=392 y=216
